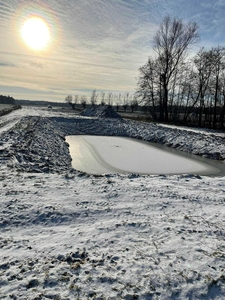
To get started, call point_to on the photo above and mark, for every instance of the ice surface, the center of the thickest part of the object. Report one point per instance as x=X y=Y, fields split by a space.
x=104 y=154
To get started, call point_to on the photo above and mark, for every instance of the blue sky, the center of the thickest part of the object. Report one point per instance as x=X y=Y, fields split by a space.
x=94 y=44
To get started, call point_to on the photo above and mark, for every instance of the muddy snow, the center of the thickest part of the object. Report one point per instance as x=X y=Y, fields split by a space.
x=69 y=235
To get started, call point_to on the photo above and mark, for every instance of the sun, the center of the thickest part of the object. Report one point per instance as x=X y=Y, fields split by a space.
x=35 y=33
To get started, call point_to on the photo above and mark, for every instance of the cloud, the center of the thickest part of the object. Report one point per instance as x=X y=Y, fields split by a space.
x=8 y=65
x=36 y=65
x=95 y=44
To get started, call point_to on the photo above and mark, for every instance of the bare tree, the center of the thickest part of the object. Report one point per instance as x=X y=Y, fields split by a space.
x=219 y=67
x=94 y=97
x=133 y=104
x=83 y=101
x=149 y=88
x=204 y=68
x=69 y=100
x=222 y=113
x=110 y=99
x=187 y=88
x=171 y=44
x=125 y=101
x=102 y=98
x=118 y=101
x=76 y=100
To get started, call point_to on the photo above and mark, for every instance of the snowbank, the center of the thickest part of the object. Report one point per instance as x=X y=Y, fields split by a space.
x=67 y=235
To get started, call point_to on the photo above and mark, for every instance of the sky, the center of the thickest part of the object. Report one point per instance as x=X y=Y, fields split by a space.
x=91 y=44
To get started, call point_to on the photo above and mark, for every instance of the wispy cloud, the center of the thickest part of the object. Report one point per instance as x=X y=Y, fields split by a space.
x=6 y=64
x=95 y=44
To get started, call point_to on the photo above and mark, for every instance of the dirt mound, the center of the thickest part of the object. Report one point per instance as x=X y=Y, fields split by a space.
x=6 y=111
x=100 y=112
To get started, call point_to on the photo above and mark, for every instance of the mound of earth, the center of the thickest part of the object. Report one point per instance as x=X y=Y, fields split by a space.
x=100 y=112
x=6 y=111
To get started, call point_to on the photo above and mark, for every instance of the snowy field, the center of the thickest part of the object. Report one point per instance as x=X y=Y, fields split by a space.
x=69 y=235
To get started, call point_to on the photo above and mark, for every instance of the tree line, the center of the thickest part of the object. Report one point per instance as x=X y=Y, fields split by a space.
x=7 y=100
x=172 y=86
x=179 y=89
x=103 y=98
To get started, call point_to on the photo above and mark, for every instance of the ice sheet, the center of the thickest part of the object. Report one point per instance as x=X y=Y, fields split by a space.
x=104 y=154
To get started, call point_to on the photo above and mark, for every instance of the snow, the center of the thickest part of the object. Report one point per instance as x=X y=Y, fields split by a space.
x=70 y=235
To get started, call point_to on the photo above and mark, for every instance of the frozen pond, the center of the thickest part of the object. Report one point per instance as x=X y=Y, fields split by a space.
x=110 y=154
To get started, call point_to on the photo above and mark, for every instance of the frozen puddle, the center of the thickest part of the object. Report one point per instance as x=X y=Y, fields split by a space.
x=107 y=154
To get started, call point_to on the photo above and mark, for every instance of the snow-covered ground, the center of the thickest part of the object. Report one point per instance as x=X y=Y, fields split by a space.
x=70 y=235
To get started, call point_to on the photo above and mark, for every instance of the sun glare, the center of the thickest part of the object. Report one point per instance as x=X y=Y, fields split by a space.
x=35 y=33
